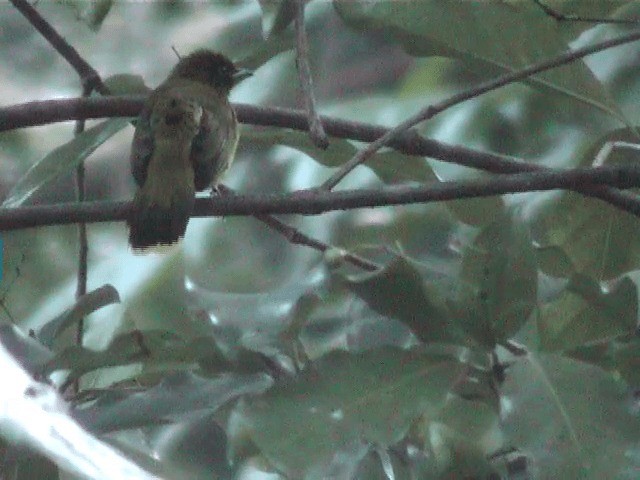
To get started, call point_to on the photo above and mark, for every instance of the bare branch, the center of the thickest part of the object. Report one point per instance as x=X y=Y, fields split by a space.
x=409 y=142
x=320 y=202
x=88 y=76
x=83 y=244
x=316 y=131
x=561 y=17
x=432 y=110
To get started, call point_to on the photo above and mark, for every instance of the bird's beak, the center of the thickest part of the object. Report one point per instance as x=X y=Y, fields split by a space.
x=241 y=74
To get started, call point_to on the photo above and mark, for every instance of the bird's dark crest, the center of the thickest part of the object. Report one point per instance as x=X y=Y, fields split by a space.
x=208 y=67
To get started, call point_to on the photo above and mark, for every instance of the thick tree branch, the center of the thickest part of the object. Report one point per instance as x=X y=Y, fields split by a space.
x=88 y=76
x=318 y=202
x=409 y=142
x=432 y=110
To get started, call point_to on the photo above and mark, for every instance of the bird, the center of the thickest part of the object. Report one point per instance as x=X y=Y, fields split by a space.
x=185 y=138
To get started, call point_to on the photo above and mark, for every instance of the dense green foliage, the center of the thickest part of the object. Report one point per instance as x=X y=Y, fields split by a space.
x=497 y=340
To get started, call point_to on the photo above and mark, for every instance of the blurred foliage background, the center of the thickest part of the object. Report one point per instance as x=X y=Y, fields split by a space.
x=262 y=359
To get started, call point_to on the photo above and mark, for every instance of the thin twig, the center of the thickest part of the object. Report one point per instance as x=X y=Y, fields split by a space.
x=88 y=76
x=296 y=237
x=432 y=110
x=321 y=202
x=562 y=17
x=83 y=245
x=409 y=142
x=316 y=130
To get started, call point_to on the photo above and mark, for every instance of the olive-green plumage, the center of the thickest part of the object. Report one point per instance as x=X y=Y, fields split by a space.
x=186 y=137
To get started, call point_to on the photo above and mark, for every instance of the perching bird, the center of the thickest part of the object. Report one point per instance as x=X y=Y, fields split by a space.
x=185 y=138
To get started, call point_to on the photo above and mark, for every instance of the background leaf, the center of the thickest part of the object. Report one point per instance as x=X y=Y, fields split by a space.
x=344 y=400
x=572 y=429
x=62 y=160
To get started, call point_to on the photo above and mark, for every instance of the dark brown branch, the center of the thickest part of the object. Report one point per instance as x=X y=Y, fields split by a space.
x=33 y=114
x=83 y=244
x=316 y=131
x=318 y=202
x=88 y=76
x=409 y=142
x=432 y=110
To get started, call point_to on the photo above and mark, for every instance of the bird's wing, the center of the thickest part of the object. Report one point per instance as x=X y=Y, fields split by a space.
x=142 y=147
x=209 y=150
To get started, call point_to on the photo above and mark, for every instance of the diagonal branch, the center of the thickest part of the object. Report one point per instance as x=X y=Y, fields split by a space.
x=296 y=237
x=432 y=110
x=561 y=17
x=88 y=76
x=321 y=202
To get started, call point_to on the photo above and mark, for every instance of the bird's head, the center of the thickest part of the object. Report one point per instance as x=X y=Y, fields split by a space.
x=211 y=68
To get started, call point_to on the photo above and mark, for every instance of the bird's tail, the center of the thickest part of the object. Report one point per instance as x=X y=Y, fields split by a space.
x=160 y=218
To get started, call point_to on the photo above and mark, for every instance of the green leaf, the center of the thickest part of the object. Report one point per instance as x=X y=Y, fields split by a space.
x=472 y=211
x=89 y=303
x=399 y=291
x=498 y=282
x=490 y=37
x=477 y=211
x=586 y=235
x=390 y=166
x=344 y=401
x=94 y=12
x=276 y=16
x=62 y=160
x=555 y=262
x=125 y=349
x=599 y=240
x=626 y=359
x=580 y=8
x=572 y=418
x=177 y=396
x=126 y=84
x=469 y=418
x=25 y=349
x=459 y=457
x=585 y=314
x=601 y=153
